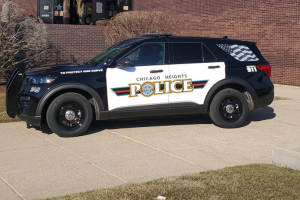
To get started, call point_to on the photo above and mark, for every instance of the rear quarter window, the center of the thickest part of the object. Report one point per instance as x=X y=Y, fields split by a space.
x=239 y=52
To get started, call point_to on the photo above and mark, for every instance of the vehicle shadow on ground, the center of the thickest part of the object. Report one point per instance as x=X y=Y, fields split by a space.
x=157 y=121
x=141 y=122
x=265 y=113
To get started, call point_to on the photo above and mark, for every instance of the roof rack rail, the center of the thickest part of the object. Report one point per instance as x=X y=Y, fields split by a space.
x=158 y=34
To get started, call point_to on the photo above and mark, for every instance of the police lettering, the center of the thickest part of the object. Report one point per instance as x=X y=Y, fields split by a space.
x=148 y=89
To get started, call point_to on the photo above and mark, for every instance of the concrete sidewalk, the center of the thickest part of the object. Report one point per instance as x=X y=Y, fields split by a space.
x=34 y=164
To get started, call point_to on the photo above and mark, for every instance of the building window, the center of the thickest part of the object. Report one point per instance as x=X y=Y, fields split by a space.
x=80 y=11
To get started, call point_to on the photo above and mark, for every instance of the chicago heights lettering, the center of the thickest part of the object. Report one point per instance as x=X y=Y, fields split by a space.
x=154 y=78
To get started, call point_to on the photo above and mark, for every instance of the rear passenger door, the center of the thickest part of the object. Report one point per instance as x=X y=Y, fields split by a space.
x=194 y=64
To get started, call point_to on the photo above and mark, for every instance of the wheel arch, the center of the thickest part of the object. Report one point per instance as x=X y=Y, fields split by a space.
x=238 y=84
x=82 y=89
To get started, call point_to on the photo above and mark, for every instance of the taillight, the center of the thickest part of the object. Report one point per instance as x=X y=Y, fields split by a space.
x=265 y=68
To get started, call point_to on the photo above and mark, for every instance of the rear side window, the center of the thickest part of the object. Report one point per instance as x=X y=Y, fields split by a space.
x=187 y=53
x=239 y=52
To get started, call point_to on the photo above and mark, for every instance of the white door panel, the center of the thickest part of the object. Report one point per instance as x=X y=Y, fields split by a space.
x=119 y=81
x=203 y=78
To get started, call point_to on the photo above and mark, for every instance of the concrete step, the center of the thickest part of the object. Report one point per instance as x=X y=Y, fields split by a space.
x=287 y=156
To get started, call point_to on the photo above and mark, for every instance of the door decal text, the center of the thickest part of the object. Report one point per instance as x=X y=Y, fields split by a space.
x=148 y=89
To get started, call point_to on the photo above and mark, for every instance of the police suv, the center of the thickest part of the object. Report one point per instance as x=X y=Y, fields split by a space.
x=153 y=75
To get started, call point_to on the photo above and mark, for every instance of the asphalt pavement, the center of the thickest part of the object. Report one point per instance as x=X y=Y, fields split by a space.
x=39 y=164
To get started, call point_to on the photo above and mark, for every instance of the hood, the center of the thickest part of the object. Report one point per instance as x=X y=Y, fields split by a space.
x=57 y=69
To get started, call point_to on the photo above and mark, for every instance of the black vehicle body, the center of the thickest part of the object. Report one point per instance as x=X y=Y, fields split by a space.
x=91 y=82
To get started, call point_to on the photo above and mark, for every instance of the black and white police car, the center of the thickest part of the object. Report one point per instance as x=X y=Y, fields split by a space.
x=153 y=75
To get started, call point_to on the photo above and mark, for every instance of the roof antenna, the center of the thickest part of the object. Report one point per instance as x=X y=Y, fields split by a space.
x=225 y=37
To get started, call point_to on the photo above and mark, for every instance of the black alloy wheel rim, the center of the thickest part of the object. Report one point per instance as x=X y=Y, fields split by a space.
x=70 y=116
x=231 y=109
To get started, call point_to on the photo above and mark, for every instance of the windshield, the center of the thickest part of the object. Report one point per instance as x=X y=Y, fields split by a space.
x=112 y=52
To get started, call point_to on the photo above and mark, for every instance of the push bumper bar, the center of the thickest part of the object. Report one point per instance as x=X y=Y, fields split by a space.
x=32 y=120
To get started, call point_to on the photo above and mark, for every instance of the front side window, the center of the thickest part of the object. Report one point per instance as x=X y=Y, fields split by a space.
x=147 y=54
x=185 y=53
x=112 y=52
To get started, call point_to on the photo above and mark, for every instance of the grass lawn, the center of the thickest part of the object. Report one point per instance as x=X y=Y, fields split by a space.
x=3 y=116
x=255 y=181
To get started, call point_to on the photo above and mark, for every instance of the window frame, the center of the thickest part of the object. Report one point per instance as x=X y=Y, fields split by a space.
x=216 y=59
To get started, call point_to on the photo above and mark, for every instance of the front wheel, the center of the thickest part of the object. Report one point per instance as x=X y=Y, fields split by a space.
x=69 y=115
x=229 y=108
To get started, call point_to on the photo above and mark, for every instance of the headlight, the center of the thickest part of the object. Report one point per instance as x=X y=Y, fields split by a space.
x=35 y=80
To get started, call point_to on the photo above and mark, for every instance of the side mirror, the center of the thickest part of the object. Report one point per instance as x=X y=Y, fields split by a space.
x=108 y=61
x=124 y=63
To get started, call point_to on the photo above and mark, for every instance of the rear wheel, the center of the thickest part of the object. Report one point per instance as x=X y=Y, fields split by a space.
x=69 y=115
x=229 y=108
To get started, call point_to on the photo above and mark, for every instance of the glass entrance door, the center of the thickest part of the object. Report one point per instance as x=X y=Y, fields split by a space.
x=45 y=11
x=58 y=11
x=51 y=11
x=89 y=11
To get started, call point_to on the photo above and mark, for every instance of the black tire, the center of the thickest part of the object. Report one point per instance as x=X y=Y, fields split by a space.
x=229 y=109
x=78 y=108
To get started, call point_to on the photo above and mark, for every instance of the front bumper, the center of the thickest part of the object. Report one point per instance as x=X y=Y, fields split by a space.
x=32 y=120
x=262 y=102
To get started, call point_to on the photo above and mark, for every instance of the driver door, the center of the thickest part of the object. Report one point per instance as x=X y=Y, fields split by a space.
x=132 y=88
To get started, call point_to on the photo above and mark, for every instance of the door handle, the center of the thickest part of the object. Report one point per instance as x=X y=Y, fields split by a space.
x=156 y=71
x=213 y=67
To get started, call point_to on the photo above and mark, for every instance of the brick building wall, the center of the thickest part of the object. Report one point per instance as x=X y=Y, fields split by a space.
x=83 y=42
x=29 y=6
